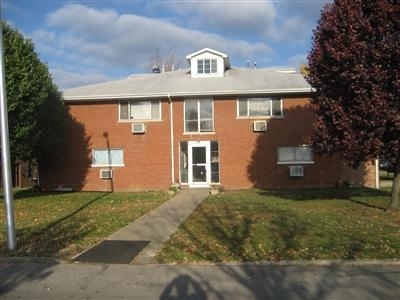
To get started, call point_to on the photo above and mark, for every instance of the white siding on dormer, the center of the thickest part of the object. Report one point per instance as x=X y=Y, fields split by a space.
x=207 y=55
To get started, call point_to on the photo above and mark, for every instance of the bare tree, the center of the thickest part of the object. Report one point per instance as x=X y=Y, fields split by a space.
x=164 y=63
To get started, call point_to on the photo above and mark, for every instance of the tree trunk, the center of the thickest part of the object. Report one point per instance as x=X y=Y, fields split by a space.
x=13 y=171
x=394 y=201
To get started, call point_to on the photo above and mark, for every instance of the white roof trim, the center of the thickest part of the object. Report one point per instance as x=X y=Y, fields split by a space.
x=190 y=56
x=187 y=94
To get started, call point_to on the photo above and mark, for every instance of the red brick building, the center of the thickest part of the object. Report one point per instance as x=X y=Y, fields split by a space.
x=210 y=125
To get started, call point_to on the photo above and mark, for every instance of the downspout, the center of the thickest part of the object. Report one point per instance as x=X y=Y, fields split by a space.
x=171 y=120
x=377 y=183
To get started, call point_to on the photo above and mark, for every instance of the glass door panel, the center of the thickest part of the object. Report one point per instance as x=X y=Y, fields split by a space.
x=199 y=164
x=199 y=174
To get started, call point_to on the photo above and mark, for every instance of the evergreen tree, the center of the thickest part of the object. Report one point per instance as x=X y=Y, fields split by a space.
x=35 y=111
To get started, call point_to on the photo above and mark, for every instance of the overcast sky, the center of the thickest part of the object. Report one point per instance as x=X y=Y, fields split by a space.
x=85 y=42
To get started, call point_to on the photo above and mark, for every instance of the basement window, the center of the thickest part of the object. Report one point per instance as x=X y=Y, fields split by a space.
x=108 y=157
x=295 y=155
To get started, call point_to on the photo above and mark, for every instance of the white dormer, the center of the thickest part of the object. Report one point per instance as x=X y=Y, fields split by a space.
x=208 y=63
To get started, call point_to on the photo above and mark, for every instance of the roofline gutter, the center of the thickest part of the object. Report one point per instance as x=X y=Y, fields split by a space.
x=187 y=94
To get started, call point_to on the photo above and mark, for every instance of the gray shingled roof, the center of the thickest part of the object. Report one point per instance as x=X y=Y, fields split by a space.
x=237 y=81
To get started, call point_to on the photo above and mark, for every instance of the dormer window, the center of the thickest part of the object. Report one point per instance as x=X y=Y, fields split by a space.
x=208 y=63
x=207 y=66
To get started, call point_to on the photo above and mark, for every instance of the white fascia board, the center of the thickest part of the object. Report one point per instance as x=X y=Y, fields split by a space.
x=111 y=97
x=190 y=56
x=183 y=94
x=245 y=92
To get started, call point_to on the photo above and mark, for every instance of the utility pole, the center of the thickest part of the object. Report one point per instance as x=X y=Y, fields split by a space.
x=5 y=151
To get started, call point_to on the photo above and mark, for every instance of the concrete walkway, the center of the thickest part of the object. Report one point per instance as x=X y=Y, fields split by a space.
x=158 y=225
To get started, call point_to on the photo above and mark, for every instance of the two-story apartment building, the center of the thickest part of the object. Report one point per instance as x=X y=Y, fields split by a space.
x=212 y=124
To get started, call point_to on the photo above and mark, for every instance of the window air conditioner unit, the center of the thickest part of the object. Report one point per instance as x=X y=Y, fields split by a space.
x=259 y=126
x=296 y=171
x=106 y=173
x=138 y=128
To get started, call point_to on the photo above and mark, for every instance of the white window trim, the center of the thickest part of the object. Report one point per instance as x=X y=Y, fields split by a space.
x=138 y=120
x=296 y=162
x=198 y=118
x=259 y=116
x=199 y=133
x=107 y=165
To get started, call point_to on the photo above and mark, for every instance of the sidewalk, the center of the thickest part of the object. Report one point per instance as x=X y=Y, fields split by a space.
x=147 y=234
x=285 y=280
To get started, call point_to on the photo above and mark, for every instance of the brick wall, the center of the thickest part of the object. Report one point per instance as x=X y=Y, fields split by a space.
x=95 y=125
x=247 y=158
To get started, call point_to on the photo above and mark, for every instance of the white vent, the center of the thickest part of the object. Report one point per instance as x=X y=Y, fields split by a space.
x=260 y=126
x=296 y=171
x=138 y=128
x=106 y=173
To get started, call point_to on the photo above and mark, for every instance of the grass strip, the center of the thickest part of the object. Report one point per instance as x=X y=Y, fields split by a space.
x=257 y=225
x=60 y=225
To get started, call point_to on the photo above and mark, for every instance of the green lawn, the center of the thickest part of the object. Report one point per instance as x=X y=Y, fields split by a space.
x=384 y=175
x=63 y=224
x=261 y=225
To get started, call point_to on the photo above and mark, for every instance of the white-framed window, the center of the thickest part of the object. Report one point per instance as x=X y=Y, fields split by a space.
x=140 y=110
x=259 y=107
x=206 y=66
x=199 y=115
x=301 y=154
x=104 y=157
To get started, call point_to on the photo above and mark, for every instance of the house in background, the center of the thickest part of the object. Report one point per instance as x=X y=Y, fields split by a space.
x=212 y=124
x=24 y=174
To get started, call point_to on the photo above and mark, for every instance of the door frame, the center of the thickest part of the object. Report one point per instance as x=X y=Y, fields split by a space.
x=207 y=164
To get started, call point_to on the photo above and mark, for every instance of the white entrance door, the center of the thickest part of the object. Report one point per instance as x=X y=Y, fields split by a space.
x=199 y=164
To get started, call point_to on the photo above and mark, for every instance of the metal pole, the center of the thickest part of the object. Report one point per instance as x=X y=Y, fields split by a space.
x=5 y=151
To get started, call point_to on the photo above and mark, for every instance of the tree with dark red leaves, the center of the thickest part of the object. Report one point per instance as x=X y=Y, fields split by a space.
x=354 y=67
